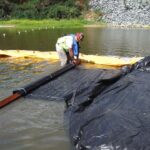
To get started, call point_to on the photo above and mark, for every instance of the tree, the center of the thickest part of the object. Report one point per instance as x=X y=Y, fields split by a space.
x=18 y=1
x=5 y=8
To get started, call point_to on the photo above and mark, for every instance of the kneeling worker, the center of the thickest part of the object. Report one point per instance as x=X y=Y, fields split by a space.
x=67 y=48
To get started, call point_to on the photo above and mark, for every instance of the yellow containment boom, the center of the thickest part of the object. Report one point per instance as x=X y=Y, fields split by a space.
x=115 y=61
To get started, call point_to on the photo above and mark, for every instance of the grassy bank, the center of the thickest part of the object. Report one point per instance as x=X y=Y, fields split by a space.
x=49 y=23
x=26 y=23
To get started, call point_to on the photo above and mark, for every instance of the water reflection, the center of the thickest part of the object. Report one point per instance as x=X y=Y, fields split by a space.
x=101 y=41
x=122 y=42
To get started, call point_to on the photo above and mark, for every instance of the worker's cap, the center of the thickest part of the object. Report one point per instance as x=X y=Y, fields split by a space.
x=80 y=36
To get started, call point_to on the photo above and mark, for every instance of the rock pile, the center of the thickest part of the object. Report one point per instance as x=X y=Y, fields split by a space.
x=123 y=12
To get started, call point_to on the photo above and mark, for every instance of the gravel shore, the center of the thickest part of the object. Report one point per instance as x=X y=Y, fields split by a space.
x=123 y=12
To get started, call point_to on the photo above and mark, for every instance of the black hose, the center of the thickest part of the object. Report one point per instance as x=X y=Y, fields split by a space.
x=36 y=84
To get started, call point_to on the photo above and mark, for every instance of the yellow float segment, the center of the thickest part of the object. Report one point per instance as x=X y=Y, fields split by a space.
x=28 y=53
x=100 y=60
x=110 y=60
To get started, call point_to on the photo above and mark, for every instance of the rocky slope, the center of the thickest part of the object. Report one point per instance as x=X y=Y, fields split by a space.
x=123 y=12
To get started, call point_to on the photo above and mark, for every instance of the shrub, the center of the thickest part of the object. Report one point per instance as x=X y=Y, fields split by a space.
x=26 y=10
x=39 y=9
x=5 y=8
x=61 y=11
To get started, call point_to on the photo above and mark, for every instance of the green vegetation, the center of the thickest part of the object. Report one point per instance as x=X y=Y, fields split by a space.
x=46 y=13
x=51 y=23
x=41 y=9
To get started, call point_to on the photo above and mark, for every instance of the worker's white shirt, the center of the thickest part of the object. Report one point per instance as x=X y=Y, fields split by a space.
x=65 y=42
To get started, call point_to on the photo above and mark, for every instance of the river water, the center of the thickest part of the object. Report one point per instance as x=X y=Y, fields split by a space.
x=101 y=41
x=29 y=124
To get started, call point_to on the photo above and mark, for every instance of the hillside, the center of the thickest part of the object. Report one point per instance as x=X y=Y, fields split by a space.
x=41 y=9
x=113 y=12
x=123 y=12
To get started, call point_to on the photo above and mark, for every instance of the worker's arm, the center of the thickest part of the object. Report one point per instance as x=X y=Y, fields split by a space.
x=76 y=59
x=71 y=53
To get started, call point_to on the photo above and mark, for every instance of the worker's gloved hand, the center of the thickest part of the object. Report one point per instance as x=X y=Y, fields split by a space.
x=76 y=61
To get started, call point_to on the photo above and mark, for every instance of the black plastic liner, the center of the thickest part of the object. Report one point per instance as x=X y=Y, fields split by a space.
x=113 y=114
x=106 y=109
x=75 y=81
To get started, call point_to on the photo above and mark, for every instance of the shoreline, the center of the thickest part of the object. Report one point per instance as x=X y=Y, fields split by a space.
x=134 y=26
x=74 y=23
x=48 y=23
x=91 y=26
x=7 y=26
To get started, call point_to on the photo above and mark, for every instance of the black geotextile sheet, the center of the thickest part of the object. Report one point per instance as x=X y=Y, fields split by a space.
x=106 y=109
x=73 y=81
x=115 y=115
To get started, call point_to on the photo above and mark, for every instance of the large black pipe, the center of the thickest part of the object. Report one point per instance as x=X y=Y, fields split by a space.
x=36 y=84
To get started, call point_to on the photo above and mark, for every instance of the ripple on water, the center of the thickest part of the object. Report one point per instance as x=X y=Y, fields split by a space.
x=32 y=124
x=29 y=124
